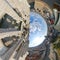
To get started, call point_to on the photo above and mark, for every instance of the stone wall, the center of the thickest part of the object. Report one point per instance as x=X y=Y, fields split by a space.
x=19 y=47
x=22 y=6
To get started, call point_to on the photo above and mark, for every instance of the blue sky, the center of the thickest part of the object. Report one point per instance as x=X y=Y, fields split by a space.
x=38 y=29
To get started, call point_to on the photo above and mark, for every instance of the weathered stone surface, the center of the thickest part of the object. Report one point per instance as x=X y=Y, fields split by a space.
x=19 y=46
x=6 y=9
x=22 y=6
x=41 y=6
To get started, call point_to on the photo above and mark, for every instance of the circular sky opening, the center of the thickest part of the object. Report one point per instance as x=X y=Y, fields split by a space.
x=38 y=29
